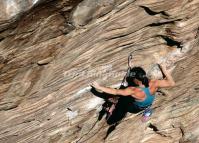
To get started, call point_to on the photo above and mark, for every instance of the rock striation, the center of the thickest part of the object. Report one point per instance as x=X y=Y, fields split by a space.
x=50 y=51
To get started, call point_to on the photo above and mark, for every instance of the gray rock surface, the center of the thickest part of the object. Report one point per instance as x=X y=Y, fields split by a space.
x=11 y=10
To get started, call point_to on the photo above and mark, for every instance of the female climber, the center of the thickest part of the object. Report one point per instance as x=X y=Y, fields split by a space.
x=140 y=87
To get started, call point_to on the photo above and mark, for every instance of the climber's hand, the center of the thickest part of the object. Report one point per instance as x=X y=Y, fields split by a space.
x=95 y=85
x=162 y=66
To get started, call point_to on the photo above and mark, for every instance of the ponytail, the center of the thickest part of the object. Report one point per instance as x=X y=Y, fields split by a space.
x=145 y=81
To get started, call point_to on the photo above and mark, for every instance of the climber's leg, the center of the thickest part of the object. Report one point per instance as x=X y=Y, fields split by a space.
x=146 y=114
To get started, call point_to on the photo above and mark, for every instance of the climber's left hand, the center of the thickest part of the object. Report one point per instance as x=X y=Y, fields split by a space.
x=95 y=85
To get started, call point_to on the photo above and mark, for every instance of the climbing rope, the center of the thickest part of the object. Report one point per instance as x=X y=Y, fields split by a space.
x=130 y=57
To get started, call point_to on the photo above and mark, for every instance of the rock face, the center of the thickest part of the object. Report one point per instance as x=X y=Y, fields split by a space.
x=11 y=10
x=54 y=49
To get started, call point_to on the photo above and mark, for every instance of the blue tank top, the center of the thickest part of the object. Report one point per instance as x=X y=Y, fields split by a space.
x=147 y=101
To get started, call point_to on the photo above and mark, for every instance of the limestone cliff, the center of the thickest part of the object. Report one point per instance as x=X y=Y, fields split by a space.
x=50 y=50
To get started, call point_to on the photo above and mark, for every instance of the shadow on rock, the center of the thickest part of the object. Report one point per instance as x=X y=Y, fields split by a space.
x=119 y=106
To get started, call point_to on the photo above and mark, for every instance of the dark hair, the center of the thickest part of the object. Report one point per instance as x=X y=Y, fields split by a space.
x=139 y=74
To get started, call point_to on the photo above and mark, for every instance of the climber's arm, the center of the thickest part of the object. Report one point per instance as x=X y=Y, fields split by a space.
x=168 y=81
x=123 y=92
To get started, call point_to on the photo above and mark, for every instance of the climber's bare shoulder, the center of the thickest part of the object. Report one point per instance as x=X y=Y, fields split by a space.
x=153 y=83
x=153 y=86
